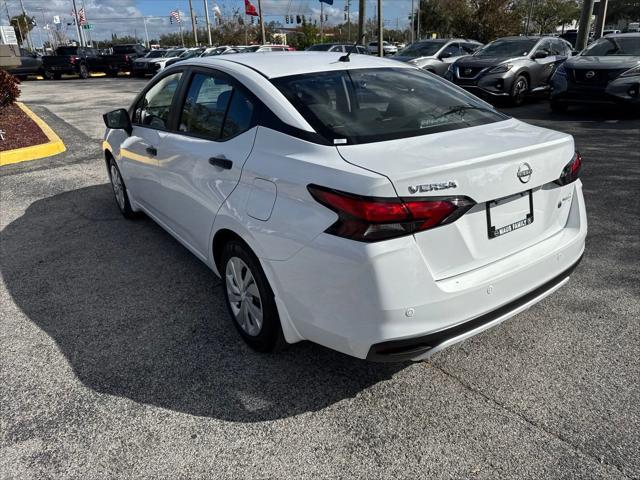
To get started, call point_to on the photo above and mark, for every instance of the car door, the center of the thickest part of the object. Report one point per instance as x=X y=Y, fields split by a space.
x=139 y=152
x=447 y=56
x=201 y=161
x=542 y=68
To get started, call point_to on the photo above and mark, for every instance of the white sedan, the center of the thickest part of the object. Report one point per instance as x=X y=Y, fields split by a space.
x=359 y=203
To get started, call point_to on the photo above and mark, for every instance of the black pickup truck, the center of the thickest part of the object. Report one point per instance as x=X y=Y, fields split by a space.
x=85 y=60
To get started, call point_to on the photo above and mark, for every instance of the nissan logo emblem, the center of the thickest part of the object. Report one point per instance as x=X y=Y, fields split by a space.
x=590 y=74
x=524 y=172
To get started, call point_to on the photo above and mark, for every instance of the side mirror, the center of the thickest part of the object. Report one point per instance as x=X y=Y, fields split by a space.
x=540 y=54
x=118 y=120
x=445 y=55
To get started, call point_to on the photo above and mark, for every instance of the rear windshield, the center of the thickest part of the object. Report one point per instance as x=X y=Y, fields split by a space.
x=421 y=49
x=155 y=54
x=605 y=47
x=516 y=47
x=67 y=51
x=371 y=105
x=320 y=48
x=123 y=49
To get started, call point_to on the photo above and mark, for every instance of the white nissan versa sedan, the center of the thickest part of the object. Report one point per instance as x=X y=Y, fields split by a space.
x=360 y=203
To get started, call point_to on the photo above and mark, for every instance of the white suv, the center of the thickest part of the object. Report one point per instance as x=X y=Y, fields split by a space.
x=360 y=203
x=387 y=48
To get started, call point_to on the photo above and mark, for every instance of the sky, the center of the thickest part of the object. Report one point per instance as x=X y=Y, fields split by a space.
x=125 y=17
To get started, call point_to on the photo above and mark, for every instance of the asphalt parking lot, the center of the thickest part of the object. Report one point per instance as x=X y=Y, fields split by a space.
x=118 y=359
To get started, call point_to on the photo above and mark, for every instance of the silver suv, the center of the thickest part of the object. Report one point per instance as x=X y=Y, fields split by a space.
x=437 y=54
x=510 y=67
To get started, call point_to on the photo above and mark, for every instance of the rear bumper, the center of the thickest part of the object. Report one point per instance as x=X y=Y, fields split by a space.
x=380 y=301
x=419 y=348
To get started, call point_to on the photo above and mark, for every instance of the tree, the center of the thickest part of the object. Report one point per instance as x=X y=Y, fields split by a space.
x=22 y=24
x=623 y=11
x=547 y=15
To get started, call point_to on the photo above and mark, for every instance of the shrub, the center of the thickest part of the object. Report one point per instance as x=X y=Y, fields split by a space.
x=9 y=91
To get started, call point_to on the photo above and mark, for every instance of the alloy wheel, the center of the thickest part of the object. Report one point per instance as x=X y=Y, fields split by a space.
x=118 y=186
x=244 y=296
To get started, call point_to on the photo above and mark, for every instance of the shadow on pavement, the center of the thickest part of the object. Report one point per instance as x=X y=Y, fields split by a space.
x=137 y=316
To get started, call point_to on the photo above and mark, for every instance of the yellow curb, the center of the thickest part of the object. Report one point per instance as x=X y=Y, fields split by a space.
x=25 y=154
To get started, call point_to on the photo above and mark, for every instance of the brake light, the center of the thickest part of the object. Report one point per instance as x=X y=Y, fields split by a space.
x=571 y=171
x=370 y=219
x=126 y=58
x=73 y=59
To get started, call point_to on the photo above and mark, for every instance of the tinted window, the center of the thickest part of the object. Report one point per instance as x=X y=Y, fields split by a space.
x=421 y=49
x=547 y=46
x=452 y=50
x=614 y=46
x=323 y=47
x=511 y=47
x=153 y=108
x=470 y=47
x=239 y=115
x=368 y=105
x=205 y=106
x=123 y=49
x=67 y=51
x=362 y=51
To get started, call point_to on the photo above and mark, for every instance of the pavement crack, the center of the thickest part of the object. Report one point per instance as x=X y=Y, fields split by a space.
x=530 y=422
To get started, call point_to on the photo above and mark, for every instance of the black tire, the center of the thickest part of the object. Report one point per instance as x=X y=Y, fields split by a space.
x=112 y=73
x=48 y=75
x=519 y=91
x=138 y=74
x=558 y=107
x=121 y=201
x=57 y=76
x=83 y=71
x=268 y=337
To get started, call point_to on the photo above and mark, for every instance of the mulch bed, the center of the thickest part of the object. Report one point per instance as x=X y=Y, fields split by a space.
x=18 y=129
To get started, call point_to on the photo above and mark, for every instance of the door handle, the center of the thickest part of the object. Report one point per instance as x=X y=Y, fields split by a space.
x=221 y=162
x=152 y=151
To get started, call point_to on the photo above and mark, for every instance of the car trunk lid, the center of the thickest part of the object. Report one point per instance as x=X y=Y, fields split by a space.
x=501 y=161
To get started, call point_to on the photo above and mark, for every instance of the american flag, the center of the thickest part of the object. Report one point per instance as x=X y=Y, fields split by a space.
x=175 y=14
x=82 y=17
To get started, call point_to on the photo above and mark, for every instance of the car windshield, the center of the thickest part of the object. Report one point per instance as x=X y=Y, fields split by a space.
x=155 y=54
x=421 y=49
x=370 y=105
x=513 y=47
x=320 y=48
x=610 y=46
x=215 y=51
x=173 y=53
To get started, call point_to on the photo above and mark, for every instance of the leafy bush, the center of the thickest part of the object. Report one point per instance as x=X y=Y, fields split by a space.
x=9 y=91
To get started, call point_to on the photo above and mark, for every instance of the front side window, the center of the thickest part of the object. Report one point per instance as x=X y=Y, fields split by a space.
x=369 y=105
x=452 y=50
x=152 y=110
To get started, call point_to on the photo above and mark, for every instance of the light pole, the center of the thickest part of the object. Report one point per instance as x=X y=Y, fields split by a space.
x=193 y=24
x=75 y=17
x=600 y=19
x=585 y=23
x=380 y=30
x=263 y=36
x=361 y=16
x=206 y=16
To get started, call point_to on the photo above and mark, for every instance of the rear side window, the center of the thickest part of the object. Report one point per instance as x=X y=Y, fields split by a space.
x=369 y=105
x=215 y=109
x=205 y=106
x=153 y=109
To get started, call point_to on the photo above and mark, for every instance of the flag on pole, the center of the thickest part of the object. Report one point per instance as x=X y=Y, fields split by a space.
x=250 y=9
x=175 y=15
x=82 y=17
x=216 y=11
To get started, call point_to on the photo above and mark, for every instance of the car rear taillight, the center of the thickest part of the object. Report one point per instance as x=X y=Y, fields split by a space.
x=73 y=59
x=571 y=171
x=371 y=219
x=126 y=58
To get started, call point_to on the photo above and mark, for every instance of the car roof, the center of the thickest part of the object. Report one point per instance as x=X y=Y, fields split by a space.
x=628 y=34
x=299 y=62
